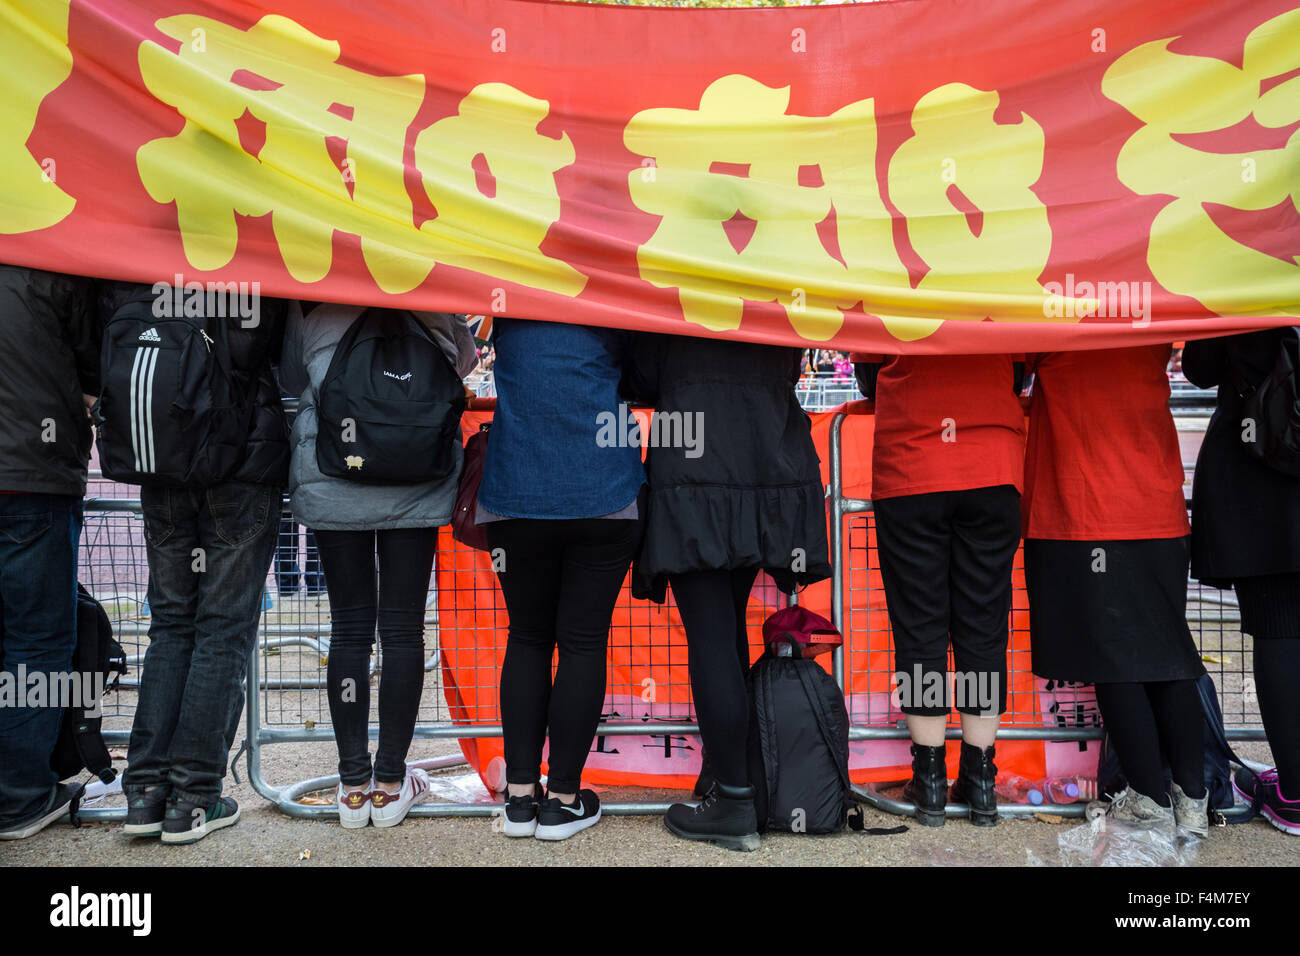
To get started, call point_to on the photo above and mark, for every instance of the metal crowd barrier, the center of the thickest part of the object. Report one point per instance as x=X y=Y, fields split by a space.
x=286 y=702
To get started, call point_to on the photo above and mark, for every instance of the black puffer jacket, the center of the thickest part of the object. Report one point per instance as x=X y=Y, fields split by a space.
x=745 y=490
x=49 y=357
x=1245 y=515
x=253 y=351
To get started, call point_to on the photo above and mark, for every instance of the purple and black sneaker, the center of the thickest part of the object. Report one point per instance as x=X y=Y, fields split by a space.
x=1265 y=795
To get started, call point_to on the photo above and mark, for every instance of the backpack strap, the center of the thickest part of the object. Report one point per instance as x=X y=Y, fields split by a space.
x=856 y=818
x=93 y=644
x=766 y=728
x=823 y=721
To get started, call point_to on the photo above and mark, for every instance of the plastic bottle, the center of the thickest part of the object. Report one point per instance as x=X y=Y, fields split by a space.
x=1017 y=789
x=1060 y=789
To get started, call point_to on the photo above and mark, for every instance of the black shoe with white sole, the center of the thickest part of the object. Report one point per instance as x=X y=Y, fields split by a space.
x=187 y=822
x=145 y=809
x=63 y=802
x=559 y=821
x=521 y=813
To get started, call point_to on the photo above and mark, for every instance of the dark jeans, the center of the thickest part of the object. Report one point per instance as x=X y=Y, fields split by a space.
x=209 y=551
x=38 y=605
x=712 y=605
x=397 y=601
x=560 y=581
x=287 y=576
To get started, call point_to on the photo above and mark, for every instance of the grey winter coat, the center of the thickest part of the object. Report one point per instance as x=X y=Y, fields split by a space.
x=336 y=504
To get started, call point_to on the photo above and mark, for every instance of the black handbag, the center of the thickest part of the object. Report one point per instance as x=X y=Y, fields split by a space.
x=1273 y=407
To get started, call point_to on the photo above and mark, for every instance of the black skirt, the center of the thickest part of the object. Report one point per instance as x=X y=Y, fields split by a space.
x=712 y=528
x=1110 y=611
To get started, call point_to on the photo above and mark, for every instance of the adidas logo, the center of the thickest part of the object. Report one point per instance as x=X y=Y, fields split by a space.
x=150 y=335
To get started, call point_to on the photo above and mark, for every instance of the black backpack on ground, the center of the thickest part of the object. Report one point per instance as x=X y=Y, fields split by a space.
x=1218 y=756
x=798 y=746
x=81 y=743
x=389 y=407
x=170 y=410
x=1274 y=406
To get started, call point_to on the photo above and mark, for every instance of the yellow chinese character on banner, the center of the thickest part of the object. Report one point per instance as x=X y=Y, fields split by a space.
x=1181 y=95
x=789 y=174
x=962 y=181
x=274 y=124
x=820 y=237
x=34 y=50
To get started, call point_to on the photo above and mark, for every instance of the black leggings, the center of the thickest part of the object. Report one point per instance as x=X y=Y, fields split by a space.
x=405 y=559
x=560 y=581
x=1150 y=724
x=1270 y=613
x=712 y=605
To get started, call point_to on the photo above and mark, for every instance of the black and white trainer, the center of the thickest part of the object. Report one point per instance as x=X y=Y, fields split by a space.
x=520 y=818
x=559 y=821
x=187 y=822
x=145 y=809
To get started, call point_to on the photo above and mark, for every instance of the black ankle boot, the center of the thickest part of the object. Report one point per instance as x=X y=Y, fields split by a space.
x=976 y=778
x=928 y=788
x=704 y=782
x=725 y=816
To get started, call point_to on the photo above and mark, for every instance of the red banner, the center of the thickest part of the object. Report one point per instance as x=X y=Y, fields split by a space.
x=925 y=175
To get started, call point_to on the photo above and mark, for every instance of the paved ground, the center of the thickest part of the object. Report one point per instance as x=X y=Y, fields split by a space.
x=267 y=837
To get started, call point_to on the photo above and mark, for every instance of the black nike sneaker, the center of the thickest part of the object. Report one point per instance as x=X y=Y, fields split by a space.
x=521 y=813
x=559 y=821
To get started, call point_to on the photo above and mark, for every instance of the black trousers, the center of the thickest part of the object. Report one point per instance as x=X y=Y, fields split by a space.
x=945 y=560
x=1270 y=613
x=1154 y=720
x=394 y=594
x=712 y=605
x=560 y=581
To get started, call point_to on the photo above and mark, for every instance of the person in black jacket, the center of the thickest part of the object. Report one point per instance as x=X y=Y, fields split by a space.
x=1246 y=535
x=734 y=488
x=209 y=550
x=49 y=371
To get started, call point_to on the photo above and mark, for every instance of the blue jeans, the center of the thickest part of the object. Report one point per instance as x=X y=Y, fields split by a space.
x=39 y=535
x=209 y=551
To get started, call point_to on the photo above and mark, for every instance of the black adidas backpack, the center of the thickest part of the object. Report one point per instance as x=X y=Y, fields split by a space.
x=170 y=410
x=98 y=655
x=389 y=407
x=798 y=746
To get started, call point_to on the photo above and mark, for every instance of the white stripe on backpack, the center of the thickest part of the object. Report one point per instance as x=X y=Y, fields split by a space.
x=142 y=377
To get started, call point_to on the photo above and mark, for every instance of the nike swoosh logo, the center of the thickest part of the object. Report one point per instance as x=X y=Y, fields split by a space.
x=577 y=809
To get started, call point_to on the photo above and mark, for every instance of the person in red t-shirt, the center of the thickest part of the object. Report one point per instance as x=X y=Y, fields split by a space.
x=1106 y=554
x=946 y=479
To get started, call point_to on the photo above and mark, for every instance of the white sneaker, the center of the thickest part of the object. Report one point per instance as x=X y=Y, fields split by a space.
x=390 y=809
x=354 y=806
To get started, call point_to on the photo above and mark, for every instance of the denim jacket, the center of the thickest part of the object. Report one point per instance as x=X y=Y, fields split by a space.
x=558 y=447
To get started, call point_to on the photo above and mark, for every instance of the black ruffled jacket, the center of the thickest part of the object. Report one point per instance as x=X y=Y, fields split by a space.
x=739 y=484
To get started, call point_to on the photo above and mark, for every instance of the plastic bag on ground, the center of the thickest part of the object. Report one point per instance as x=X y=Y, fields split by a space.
x=1104 y=841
